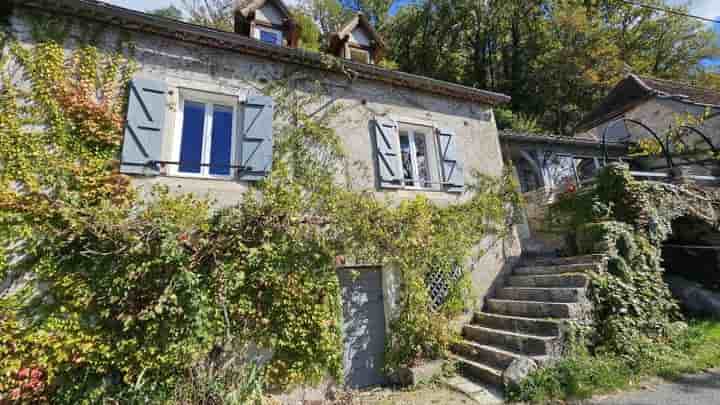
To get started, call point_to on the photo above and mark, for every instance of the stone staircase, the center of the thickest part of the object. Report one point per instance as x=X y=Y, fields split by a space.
x=524 y=324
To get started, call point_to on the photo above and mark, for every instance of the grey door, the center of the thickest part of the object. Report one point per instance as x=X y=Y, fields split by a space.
x=363 y=327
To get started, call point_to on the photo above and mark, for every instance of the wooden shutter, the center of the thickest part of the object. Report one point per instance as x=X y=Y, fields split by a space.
x=142 y=142
x=256 y=148
x=387 y=147
x=452 y=168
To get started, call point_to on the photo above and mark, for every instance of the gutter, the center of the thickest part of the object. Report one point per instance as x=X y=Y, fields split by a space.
x=132 y=20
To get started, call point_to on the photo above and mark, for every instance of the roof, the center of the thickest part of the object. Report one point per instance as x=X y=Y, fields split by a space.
x=359 y=20
x=634 y=90
x=246 y=7
x=190 y=33
x=562 y=144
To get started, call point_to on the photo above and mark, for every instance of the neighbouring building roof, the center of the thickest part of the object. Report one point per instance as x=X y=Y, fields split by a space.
x=634 y=90
x=123 y=18
x=562 y=144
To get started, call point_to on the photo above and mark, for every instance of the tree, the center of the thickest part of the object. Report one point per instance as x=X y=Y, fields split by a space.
x=556 y=58
x=310 y=36
x=216 y=14
x=168 y=12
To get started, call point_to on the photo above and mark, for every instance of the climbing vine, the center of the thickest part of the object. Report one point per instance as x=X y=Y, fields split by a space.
x=628 y=220
x=112 y=296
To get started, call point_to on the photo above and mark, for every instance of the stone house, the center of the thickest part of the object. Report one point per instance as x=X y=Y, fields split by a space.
x=657 y=104
x=197 y=121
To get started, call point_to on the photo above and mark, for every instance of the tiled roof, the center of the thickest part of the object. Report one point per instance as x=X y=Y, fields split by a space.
x=97 y=11
x=691 y=93
x=634 y=90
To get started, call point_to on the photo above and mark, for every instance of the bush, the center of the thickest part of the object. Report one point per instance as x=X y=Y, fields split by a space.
x=584 y=374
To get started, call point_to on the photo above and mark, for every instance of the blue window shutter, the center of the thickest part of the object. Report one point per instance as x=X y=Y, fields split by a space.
x=142 y=143
x=387 y=148
x=452 y=167
x=256 y=148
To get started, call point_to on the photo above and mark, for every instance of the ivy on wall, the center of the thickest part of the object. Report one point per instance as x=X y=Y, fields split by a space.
x=628 y=220
x=115 y=297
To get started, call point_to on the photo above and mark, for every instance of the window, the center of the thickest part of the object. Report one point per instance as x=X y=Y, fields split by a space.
x=359 y=55
x=269 y=35
x=414 y=158
x=205 y=138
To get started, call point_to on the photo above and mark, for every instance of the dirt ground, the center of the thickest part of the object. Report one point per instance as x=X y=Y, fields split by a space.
x=425 y=395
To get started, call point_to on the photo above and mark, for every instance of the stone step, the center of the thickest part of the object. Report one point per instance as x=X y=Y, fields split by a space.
x=530 y=326
x=557 y=269
x=535 y=309
x=542 y=294
x=490 y=355
x=570 y=280
x=555 y=261
x=479 y=371
x=530 y=345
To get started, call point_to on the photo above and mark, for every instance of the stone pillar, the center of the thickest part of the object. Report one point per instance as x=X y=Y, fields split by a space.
x=681 y=175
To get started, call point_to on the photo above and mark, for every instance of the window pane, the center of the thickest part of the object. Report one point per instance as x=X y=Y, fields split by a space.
x=191 y=143
x=269 y=37
x=422 y=162
x=359 y=55
x=221 y=141
x=406 y=158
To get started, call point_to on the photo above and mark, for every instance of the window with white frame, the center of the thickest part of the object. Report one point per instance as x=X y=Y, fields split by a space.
x=414 y=156
x=269 y=35
x=205 y=136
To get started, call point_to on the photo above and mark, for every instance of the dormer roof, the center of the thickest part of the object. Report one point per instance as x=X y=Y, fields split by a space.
x=339 y=39
x=269 y=13
x=247 y=7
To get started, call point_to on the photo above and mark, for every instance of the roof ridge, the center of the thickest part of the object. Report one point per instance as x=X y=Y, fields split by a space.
x=676 y=82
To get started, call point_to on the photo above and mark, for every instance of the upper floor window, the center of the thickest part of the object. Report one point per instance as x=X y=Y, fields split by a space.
x=269 y=35
x=414 y=157
x=359 y=55
x=205 y=138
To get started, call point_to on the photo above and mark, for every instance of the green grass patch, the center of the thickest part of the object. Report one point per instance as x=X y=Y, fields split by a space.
x=584 y=374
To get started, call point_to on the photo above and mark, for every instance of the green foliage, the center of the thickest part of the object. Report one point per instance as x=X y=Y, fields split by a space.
x=168 y=12
x=507 y=120
x=131 y=300
x=310 y=36
x=584 y=374
x=556 y=58
x=637 y=328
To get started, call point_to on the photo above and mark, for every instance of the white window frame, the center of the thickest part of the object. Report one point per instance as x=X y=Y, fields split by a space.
x=209 y=100
x=258 y=28
x=430 y=154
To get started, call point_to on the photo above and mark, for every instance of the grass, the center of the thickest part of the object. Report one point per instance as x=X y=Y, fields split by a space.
x=583 y=375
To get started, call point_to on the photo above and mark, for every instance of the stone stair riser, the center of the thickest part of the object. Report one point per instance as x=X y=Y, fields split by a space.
x=482 y=354
x=535 y=309
x=481 y=374
x=559 y=261
x=538 y=327
x=530 y=346
x=554 y=281
x=566 y=295
x=561 y=269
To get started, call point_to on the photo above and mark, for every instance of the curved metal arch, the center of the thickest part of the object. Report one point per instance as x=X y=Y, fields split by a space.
x=663 y=146
x=702 y=135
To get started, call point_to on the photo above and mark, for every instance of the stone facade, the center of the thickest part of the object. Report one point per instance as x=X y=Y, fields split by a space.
x=189 y=68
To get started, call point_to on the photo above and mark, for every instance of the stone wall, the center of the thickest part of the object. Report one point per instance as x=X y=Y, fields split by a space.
x=185 y=66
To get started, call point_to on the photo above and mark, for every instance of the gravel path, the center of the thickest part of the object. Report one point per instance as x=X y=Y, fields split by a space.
x=699 y=389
